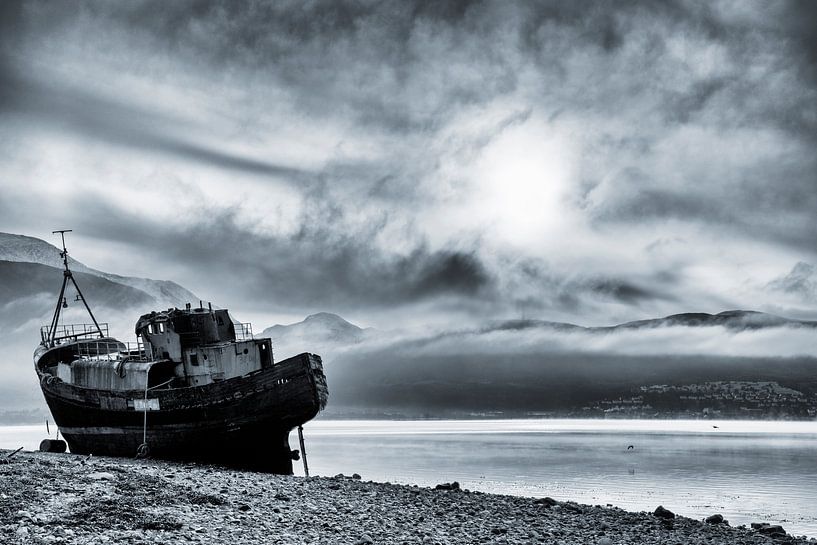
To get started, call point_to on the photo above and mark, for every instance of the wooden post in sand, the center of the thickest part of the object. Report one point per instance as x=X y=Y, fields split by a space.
x=303 y=449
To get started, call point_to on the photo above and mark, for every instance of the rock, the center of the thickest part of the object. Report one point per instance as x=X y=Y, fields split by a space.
x=101 y=476
x=663 y=513
x=356 y=476
x=715 y=519
x=143 y=506
x=771 y=530
x=572 y=506
x=448 y=486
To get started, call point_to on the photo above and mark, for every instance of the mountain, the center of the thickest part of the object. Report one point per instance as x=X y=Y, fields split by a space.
x=30 y=277
x=21 y=281
x=518 y=367
x=731 y=319
x=316 y=333
x=735 y=320
x=329 y=331
x=24 y=249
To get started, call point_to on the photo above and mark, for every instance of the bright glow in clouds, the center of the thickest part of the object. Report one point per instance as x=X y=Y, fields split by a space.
x=522 y=180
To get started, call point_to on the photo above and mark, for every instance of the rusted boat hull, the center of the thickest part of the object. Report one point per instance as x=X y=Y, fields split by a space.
x=243 y=421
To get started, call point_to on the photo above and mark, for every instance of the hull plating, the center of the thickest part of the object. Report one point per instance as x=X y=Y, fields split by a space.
x=243 y=421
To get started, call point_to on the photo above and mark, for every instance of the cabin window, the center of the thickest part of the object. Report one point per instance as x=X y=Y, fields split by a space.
x=194 y=359
x=161 y=327
x=150 y=329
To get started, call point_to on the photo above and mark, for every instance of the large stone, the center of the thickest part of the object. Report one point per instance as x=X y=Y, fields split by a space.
x=663 y=513
x=715 y=519
x=771 y=530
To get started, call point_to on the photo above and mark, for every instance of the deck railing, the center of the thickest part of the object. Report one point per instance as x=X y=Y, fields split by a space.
x=243 y=331
x=73 y=332
x=111 y=351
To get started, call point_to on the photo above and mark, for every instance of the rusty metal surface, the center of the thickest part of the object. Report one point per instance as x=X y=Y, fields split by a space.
x=232 y=421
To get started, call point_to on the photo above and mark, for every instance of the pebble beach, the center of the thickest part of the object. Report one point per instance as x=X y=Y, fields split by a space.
x=65 y=498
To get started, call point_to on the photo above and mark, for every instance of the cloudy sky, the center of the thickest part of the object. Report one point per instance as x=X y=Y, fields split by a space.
x=400 y=162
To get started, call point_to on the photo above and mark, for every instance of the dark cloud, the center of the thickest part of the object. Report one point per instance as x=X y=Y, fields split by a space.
x=800 y=281
x=316 y=267
x=625 y=291
x=698 y=117
x=800 y=20
x=82 y=112
x=682 y=109
x=446 y=272
x=647 y=204
x=10 y=21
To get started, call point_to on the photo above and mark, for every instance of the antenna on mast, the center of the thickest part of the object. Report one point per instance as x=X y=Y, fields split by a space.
x=61 y=301
x=64 y=252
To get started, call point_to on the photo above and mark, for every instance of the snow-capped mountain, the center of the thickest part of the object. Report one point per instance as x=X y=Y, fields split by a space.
x=24 y=249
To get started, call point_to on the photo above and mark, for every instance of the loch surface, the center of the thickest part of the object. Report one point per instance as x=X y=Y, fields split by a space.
x=748 y=471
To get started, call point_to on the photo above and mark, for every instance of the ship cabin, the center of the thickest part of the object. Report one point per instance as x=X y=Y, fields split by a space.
x=175 y=348
x=204 y=345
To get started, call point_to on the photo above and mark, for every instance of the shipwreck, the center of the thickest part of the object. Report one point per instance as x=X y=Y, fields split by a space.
x=196 y=385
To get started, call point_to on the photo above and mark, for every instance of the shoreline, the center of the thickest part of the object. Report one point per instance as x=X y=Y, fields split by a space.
x=397 y=417
x=65 y=498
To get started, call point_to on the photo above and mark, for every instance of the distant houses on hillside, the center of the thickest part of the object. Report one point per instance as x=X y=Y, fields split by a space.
x=722 y=399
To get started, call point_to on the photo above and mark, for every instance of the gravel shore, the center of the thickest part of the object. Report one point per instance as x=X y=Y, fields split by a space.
x=63 y=498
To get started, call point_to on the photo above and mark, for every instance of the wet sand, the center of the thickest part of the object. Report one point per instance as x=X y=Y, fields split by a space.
x=64 y=498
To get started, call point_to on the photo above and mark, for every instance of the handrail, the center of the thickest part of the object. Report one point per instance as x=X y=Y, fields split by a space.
x=243 y=331
x=73 y=331
x=111 y=351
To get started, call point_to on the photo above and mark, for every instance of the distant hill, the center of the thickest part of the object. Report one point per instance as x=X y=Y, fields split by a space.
x=315 y=333
x=731 y=319
x=30 y=278
x=19 y=280
x=325 y=330
x=24 y=249
x=533 y=366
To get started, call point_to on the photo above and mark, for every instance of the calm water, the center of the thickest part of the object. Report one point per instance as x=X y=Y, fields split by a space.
x=747 y=471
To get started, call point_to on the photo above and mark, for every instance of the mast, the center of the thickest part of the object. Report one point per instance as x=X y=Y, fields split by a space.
x=61 y=302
